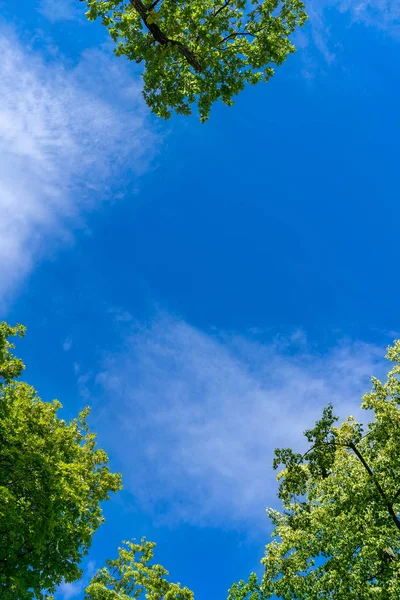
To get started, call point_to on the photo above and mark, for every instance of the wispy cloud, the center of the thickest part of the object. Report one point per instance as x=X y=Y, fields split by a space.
x=73 y=590
x=55 y=11
x=382 y=14
x=70 y=590
x=67 y=344
x=64 y=132
x=318 y=45
x=194 y=418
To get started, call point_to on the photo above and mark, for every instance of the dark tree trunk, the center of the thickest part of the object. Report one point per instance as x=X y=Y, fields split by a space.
x=162 y=39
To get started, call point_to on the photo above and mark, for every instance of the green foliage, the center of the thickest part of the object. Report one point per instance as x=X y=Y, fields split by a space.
x=200 y=51
x=132 y=576
x=246 y=590
x=52 y=479
x=10 y=366
x=338 y=536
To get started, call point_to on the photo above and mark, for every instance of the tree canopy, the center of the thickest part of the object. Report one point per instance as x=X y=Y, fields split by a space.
x=132 y=575
x=200 y=51
x=52 y=480
x=338 y=535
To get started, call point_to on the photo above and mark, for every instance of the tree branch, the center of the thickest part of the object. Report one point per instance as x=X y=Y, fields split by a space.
x=378 y=486
x=316 y=446
x=234 y=35
x=162 y=38
x=388 y=504
x=397 y=494
x=220 y=9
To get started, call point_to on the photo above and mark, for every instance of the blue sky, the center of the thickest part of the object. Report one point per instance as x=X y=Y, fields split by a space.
x=205 y=288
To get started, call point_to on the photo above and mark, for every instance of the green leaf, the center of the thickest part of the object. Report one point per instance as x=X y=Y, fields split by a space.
x=199 y=52
x=338 y=533
x=52 y=481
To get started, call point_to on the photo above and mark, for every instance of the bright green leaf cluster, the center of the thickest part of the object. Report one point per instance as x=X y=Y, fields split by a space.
x=246 y=590
x=200 y=51
x=338 y=536
x=11 y=367
x=132 y=576
x=52 y=480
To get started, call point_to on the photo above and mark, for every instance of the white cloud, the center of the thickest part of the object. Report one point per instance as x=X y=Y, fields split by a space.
x=382 y=14
x=320 y=48
x=67 y=344
x=55 y=11
x=120 y=315
x=73 y=590
x=65 y=132
x=195 y=418
x=70 y=590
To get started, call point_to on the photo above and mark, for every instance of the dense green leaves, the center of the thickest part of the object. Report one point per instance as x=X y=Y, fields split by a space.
x=200 y=51
x=338 y=536
x=10 y=366
x=52 y=479
x=132 y=575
